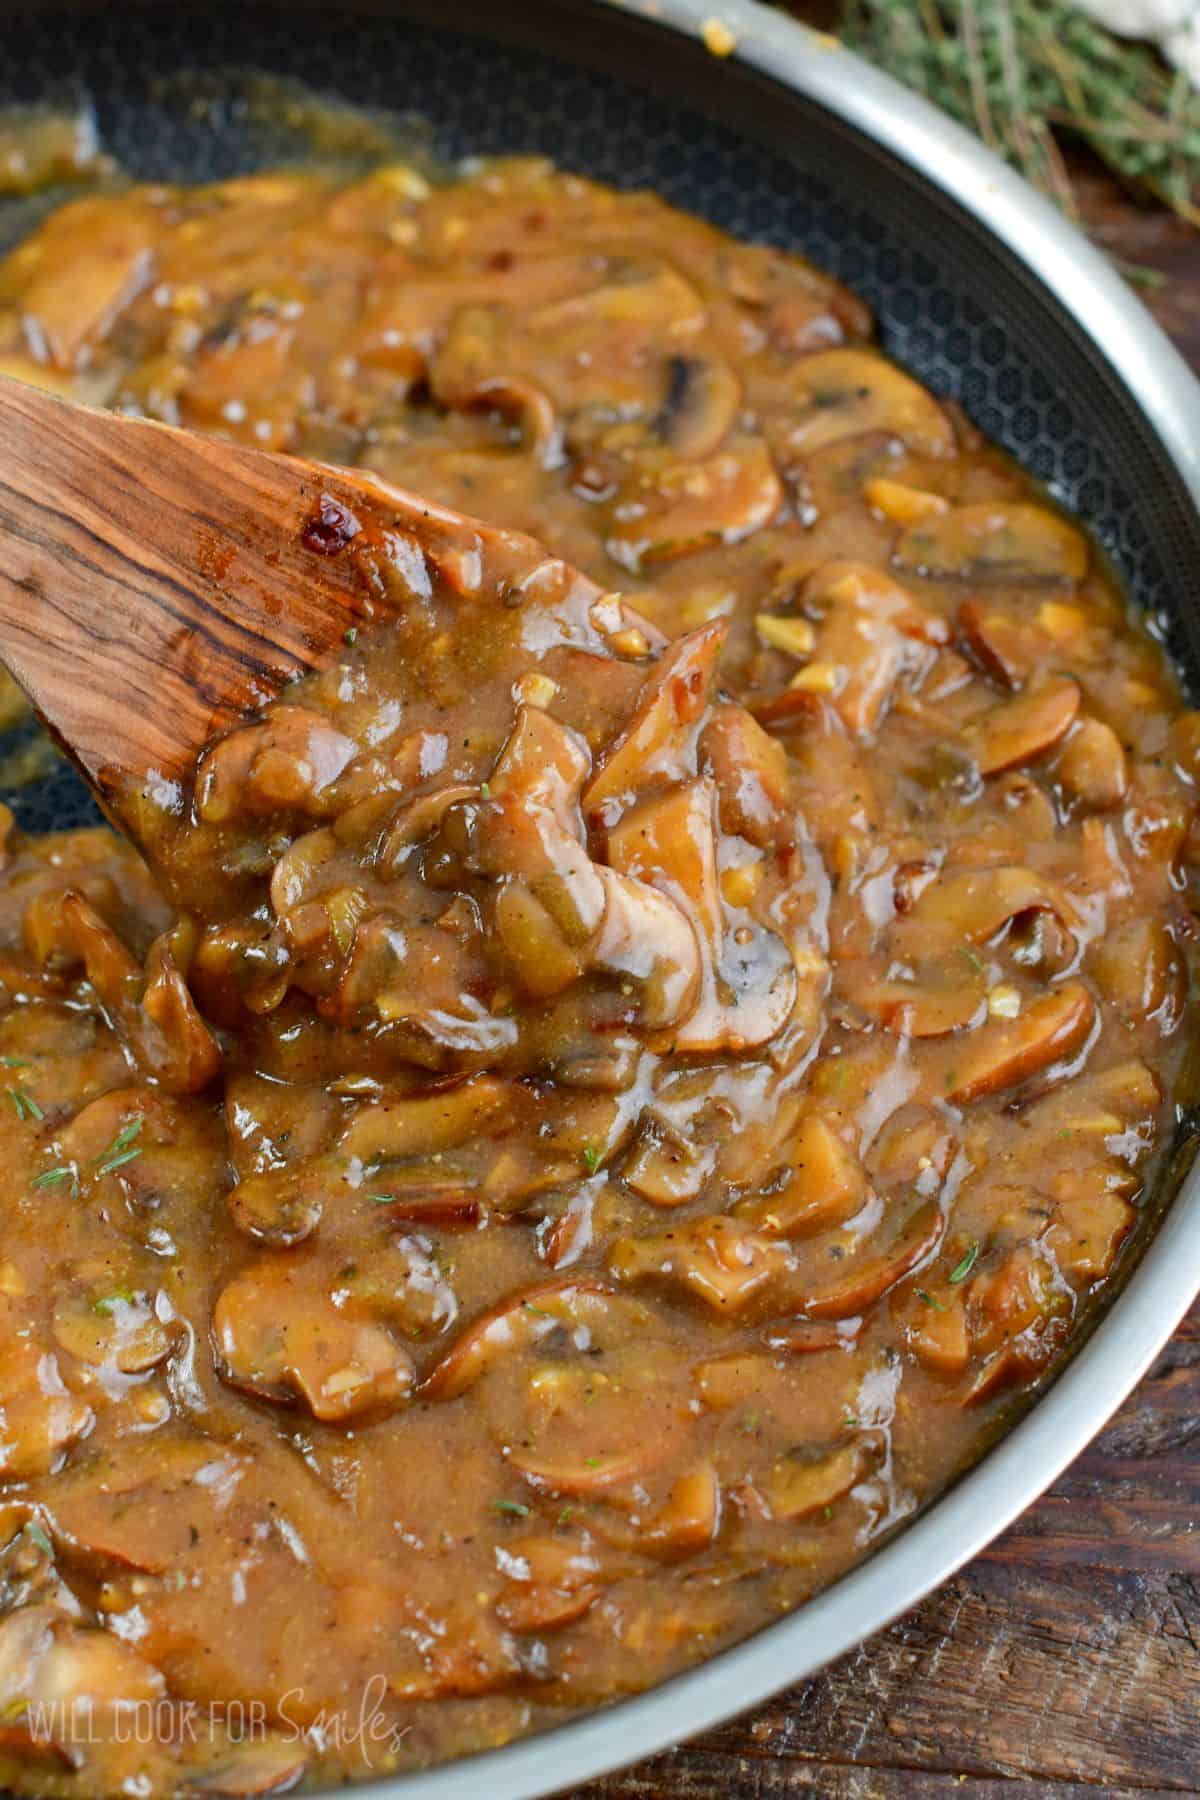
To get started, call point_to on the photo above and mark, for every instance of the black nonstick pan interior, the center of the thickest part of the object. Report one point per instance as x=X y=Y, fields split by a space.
x=172 y=99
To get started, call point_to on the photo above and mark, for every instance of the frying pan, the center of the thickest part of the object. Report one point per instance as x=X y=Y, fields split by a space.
x=979 y=288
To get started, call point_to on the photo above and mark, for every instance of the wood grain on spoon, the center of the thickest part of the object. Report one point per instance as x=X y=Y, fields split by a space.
x=156 y=586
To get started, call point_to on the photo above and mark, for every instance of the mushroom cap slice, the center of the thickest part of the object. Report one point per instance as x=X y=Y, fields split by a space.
x=1005 y=1052
x=839 y=394
x=1020 y=730
x=1009 y=541
x=656 y=740
x=282 y=1338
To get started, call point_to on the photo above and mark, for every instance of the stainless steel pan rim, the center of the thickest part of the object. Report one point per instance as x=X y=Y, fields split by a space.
x=1157 y=381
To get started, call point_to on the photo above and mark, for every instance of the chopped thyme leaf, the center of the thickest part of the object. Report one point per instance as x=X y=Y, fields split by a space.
x=591 y=1158
x=122 y=1140
x=117 y=1162
x=516 y=1508
x=36 y=1535
x=931 y=1300
x=593 y=1462
x=381 y=1199
x=25 y=1106
x=350 y=634
x=106 y=1304
x=16 y=1062
x=125 y=1136
x=52 y=1177
x=965 y=1266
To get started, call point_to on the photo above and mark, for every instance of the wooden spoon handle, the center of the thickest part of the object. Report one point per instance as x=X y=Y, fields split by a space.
x=141 y=575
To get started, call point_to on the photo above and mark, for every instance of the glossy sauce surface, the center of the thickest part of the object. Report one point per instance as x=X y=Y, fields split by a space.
x=623 y=1090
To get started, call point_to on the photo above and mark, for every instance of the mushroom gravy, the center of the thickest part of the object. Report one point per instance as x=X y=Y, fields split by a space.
x=628 y=1081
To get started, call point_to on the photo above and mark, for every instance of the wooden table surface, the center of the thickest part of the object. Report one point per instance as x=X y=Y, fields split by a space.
x=1065 y=1661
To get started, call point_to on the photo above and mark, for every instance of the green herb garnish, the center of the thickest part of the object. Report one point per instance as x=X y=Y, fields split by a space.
x=591 y=1158
x=965 y=1266
x=15 y=1062
x=349 y=635
x=930 y=1300
x=25 y=1105
x=36 y=1535
x=516 y=1508
x=105 y=1305
x=123 y=1139
x=52 y=1177
x=117 y=1162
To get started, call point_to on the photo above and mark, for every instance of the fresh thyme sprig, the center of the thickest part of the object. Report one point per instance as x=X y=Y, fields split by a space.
x=1024 y=73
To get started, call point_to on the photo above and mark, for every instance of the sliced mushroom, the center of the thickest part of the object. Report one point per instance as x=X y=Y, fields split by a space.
x=871 y=630
x=280 y=1207
x=278 y=1335
x=39 y=1419
x=272 y=1763
x=391 y=1127
x=516 y=1324
x=1018 y=731
x=807 y=1337
x=750 y=770
x=72 y=301
x=288 y=763
x=867 y=1276
x=822 y=1186
x=1137 y=967
x=550 y=1582
x=584 y=1431
x=300 y=867
x=658 y=738
x=904 y=505
x=1093 y=1222
x=173 y=1041
x=418 y=821
x=543 y=765
x=723 y=1261
x=645 y=937
x=1009 y=541
x=664 y=1167
x=936 y=1330
x=699 y=407
x=120 y=1330
x=748 y=978
x=1006 y=646
x=1005 y=1052
x=807 y=1481
x=665 y=513
x=689 y=1519
x=973 y=906
x=1092 y=767
x=844 y=393
x=148 y=1513
x=83 y=1682
x=943 y=994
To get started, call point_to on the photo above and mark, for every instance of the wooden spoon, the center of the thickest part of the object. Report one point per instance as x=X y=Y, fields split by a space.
x=156 y=586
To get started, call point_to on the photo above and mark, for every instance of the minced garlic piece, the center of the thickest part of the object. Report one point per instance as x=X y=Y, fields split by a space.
x=795 y=637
